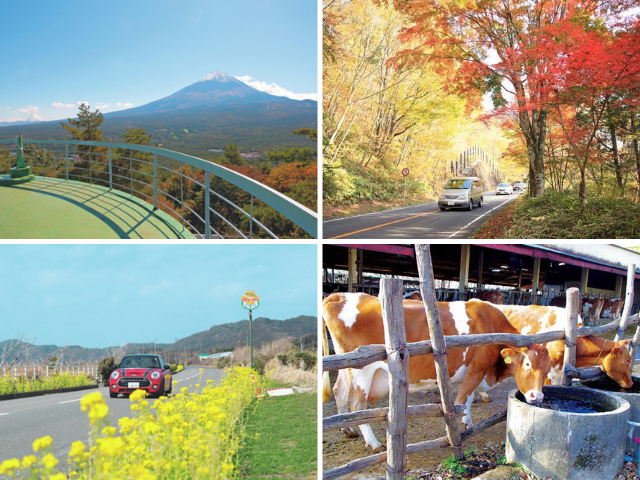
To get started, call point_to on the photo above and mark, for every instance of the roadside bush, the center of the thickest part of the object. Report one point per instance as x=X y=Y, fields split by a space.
x=303 y=360
x=104 y=367
x=62 y=380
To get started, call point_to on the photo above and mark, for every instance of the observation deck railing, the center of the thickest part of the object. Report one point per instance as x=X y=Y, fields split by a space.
x=148 y=172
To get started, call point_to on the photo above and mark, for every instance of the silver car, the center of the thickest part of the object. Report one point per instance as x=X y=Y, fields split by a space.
x=461 y=192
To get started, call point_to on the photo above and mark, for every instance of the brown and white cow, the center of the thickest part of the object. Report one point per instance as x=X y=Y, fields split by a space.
x=592 y=308
x=493 y=296
x=355 y=319
x=612 y=308
x=612 y=357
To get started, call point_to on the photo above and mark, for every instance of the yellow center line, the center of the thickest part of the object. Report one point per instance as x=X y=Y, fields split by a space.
x=383 y=225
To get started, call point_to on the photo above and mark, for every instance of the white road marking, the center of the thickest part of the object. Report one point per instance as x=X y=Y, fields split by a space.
x=374 y=213
x=69 y=401
x=3 y=414
x=478 y=218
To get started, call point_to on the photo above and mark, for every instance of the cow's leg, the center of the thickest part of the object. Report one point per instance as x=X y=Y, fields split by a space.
x=369 y=383
x=342 y=392
x=465 y=394
x=485 y=398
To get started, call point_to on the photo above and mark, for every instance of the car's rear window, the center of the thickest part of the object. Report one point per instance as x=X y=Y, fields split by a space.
x=140 y=362
x=458 y=183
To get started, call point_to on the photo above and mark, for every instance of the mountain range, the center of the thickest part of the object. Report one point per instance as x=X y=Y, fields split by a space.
x=208 y=114
x=223 y=337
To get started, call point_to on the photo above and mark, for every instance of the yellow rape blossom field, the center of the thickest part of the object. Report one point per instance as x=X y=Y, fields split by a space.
x=193 y=435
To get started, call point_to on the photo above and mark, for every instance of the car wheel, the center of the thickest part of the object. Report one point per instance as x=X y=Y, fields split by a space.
x=170 y=388
x=470 y=207
x=161 y=389
x=480 y=202
x=113 y=394
x=442 y=209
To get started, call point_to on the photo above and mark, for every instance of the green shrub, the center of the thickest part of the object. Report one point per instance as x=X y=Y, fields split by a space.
x=104 y=367
x=303 y=360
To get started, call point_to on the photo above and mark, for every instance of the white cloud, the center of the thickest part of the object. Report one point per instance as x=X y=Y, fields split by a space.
x=102 y=106
x=62 y=105
x=277 y=90
x=124 y=105
x=82 y=103
x=33 y=113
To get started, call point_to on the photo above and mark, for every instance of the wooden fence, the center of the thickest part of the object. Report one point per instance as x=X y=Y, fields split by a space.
x=397 y=352
x=42 y=371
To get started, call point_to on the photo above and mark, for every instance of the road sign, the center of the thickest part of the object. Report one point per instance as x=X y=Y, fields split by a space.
x=250 y=300
x=405 y=172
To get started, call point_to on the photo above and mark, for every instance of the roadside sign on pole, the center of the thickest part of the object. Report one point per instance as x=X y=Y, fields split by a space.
x=250 y=300
x=405 y=172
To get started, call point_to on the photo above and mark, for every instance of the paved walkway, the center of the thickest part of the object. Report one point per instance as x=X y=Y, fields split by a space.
x=51 y=208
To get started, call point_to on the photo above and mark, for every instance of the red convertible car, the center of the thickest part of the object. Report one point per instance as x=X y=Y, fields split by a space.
x=141 y=372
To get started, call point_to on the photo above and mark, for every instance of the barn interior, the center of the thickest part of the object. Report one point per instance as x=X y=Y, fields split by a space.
x=526 y=273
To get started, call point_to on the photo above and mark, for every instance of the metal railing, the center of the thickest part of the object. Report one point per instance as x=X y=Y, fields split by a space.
x=152 y=174
x=40 y=371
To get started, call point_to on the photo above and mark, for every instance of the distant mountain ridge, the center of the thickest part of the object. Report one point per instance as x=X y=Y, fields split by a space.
x=219 y=337
x=211 y=112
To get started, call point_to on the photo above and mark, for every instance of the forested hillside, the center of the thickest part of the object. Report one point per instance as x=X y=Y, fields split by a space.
x=382 y=114
x=552 y=88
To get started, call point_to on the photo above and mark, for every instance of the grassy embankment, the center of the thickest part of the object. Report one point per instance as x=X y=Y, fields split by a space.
x=281 y=439
x=557 y=215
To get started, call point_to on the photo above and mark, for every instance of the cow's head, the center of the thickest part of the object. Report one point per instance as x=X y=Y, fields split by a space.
x=530 y=366
x=617 y=364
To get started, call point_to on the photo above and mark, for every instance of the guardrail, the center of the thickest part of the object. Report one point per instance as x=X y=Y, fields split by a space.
x=128 y=167
x=40 y=371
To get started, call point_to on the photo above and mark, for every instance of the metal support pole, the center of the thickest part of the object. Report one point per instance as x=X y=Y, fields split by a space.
x=110 y=171
x=251 y=336
x=207 y=200
x=182 y=194
x=66 y=157
x=251 y=222
x=90 y=166
x=155 y=182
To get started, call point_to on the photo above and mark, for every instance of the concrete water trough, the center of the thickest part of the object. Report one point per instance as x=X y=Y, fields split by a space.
x=575 y=434
x=631 y=395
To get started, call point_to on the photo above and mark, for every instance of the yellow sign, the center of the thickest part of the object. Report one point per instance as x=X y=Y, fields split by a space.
x=250 y=300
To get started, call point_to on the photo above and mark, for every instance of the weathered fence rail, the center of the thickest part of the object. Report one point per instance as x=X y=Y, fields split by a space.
x=32 y=371
x=397 y=353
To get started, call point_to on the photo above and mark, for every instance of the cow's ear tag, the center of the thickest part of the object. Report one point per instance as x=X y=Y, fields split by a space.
x=507 y=360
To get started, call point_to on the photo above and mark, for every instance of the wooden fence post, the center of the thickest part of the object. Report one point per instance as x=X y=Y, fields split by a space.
x=427 y=289
x=573 y=302
x=628 y=302
x=395 y=339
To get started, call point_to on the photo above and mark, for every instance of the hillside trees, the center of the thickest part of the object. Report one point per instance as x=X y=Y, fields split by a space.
x=87 y=128
x=590 y=69
x=485 y=45
x=382 y=114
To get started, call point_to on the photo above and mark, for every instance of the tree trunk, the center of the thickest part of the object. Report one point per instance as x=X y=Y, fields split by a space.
x=582 y=192
x=616 y=156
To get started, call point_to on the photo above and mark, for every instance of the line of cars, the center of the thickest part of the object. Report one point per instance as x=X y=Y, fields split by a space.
x=467 y=192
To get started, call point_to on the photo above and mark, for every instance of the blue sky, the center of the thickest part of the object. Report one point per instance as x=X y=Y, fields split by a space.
x=107 y=295
x=133 y=52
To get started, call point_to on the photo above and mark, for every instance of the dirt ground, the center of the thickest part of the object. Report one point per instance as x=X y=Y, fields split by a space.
x=337 y=449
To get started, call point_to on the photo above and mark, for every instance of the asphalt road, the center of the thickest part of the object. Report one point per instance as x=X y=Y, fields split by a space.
x=59 y=416
x=421 y=221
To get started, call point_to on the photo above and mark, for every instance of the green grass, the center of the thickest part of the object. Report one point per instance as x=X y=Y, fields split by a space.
x=281 y=439
x=453 y=465
x=557 y=215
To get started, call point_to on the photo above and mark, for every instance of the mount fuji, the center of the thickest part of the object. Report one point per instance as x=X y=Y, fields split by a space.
x=211 y=112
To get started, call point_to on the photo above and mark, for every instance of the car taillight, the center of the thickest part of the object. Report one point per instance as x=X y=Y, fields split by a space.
x=155 y=375
x=115 y=374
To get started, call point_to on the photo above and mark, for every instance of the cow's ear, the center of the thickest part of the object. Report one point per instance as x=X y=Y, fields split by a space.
x=510 y=355
x=617 y=350
x=626 y=343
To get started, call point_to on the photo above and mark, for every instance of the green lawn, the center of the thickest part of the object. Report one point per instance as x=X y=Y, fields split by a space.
x=281 y=439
